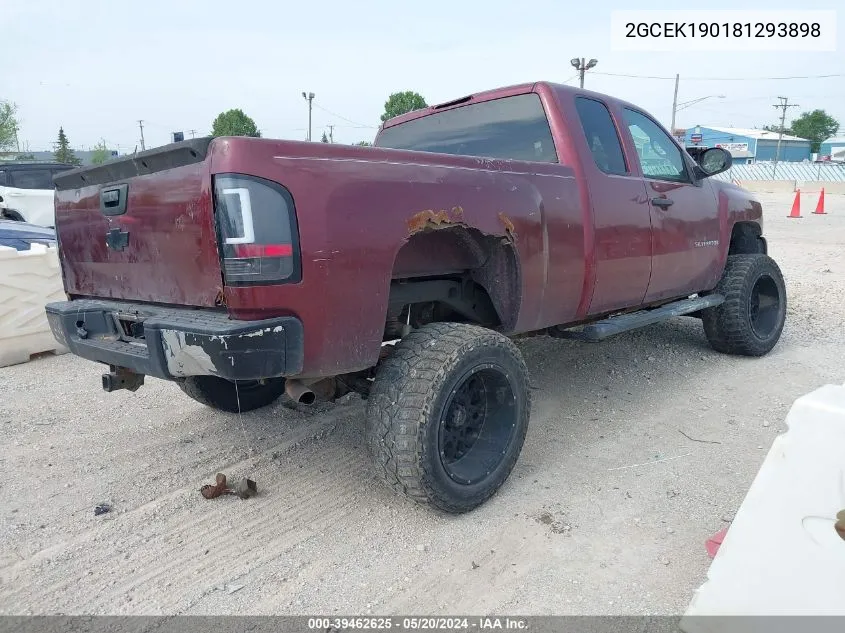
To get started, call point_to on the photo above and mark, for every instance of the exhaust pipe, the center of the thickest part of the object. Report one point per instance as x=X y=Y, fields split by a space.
x=309 y=390
x=299 y=392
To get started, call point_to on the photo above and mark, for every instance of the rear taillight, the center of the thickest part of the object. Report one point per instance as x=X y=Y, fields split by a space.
x=257 y=230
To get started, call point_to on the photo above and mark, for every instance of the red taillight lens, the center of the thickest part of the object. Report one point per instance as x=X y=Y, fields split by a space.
x=257 y=229
x=263 y=250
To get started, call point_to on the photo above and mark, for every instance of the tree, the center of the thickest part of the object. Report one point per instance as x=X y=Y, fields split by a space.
x=364 y=144
x=100 y=154
x=8 y=125
x=817 y=126
x=63 y=153
x=402 y=102
x=234 y=123
x=325 y=138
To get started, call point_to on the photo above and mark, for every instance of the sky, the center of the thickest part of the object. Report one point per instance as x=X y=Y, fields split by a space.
x=97 y=67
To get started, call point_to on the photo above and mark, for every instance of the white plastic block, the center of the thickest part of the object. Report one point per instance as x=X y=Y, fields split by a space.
x=782 y=555
x=28 y=281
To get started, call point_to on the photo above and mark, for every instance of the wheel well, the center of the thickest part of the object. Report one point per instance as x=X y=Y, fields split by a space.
x=746 y=239
x=455 y=273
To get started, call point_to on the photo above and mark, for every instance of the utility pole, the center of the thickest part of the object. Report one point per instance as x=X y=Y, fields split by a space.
x=331 y=133
x=141 y=125
x=783 y=105
x=674 y=105
x=582 y=66
x=309 y=98
x=192 y=132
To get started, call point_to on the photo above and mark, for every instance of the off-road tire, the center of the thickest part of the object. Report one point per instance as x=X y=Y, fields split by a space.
x=219 y=393
x=411 y=390
x=729 y=326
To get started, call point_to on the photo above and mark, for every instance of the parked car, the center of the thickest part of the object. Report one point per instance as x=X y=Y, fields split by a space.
x=21 y=235
x=243 y=268
x=26 y=191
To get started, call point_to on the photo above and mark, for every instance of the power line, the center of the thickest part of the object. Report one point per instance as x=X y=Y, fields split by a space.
x=767 y=97
x=326 y=110
x=595 y=72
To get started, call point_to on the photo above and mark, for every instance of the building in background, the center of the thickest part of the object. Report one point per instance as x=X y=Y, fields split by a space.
x=50 y=157
x=833 y=149
x=748 y=146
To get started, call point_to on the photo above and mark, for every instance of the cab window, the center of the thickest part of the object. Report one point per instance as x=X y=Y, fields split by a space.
x=31 y=178
x=660 y=158
x=601 y=136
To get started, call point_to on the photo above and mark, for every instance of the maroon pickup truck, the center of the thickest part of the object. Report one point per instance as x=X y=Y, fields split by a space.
x=244 y=268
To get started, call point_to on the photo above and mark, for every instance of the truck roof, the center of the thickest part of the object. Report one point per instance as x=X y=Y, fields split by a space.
x=498 y=93
x=487 y=95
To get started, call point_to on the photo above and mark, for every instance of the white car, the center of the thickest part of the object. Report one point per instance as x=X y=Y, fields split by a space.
x=26 y=191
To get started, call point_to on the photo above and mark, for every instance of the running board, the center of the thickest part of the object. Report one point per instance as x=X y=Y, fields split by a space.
x=600 y=330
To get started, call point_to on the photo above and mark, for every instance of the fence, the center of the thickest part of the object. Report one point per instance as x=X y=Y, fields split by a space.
x=822 y=172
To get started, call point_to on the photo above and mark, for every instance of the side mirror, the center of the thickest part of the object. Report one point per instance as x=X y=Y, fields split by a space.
x=714 y=161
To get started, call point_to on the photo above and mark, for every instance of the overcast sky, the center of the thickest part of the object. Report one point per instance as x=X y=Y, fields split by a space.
x=96 y=67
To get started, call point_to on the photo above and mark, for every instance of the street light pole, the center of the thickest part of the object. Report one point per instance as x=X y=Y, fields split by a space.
x=309 y=98
x=582 y=66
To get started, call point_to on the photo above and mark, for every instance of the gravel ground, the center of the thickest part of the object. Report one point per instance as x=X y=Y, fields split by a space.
x=639 y=449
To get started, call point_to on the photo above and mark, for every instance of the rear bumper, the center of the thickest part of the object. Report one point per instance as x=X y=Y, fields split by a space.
x=177 y=342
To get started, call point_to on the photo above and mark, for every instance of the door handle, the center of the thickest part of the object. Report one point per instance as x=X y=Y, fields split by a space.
x=662 y=202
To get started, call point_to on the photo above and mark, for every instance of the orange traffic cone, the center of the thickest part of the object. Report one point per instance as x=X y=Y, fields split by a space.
x=820 y=205
x=796 y=206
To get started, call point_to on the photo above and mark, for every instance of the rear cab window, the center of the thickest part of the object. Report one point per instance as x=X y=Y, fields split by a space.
x=512 y=128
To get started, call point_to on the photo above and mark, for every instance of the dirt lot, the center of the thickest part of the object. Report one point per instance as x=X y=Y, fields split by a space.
x=639 y=449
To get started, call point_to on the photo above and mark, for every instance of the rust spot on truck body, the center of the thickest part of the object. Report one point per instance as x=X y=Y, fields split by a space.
x=508 y=224
x=430 y=219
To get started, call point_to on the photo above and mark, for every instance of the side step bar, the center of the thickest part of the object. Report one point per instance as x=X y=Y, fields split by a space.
x=600 y=330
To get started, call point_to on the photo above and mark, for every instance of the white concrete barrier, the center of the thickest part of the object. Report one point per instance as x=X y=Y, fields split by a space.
x=782 y=554
x=28 y=280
